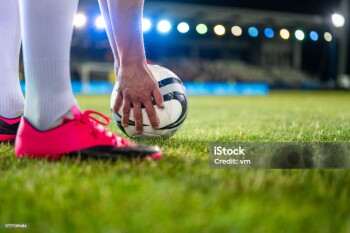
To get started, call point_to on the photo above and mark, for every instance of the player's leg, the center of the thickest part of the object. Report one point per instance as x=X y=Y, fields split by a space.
x=105 y=13
x=52 y=124
x=47 y=30
x=11 y=97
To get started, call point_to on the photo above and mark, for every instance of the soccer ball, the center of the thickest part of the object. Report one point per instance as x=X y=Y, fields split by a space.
x=171 y=117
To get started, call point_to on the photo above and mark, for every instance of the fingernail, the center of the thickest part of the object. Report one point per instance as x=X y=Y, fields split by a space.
x=156 y=127
x=138 y=131
x=124 y=125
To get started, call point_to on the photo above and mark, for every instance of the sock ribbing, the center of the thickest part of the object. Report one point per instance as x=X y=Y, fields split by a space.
x=50 y=96
x=11 y=97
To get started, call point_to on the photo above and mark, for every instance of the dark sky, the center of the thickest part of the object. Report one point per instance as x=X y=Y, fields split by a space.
x=322 y=7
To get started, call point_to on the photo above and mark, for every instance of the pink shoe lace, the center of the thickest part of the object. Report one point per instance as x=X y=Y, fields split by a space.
x=97 y=128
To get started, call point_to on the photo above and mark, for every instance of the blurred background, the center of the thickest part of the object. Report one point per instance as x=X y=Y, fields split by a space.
x=226 y=47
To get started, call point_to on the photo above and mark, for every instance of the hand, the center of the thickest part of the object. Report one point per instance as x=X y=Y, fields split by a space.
x=136 y=88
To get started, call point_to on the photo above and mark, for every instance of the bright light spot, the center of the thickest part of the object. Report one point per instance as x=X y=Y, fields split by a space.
x=236 y=31
x=80 y=20
x=219 y=30
x=202 y=28
x=146 y=25
x=328 y=37
x=164 y=26
x=269 y=33
x=314 y=36
x=100 y=22
x=183 y=27
x=284 y=33
x=338 y=20
x=300 y=35
x=253 y=31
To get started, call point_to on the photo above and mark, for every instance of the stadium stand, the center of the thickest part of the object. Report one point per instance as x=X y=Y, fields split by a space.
x=234 y=71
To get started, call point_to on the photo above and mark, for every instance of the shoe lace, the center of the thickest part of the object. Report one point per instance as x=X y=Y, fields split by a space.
x=97 y=127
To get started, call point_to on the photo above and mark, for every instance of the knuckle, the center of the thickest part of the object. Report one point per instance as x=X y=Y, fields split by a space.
x=117 y=103
x=144 y=98
x=119 y=100
x=138 y=115
x=126 y=96
x=152 y=111
x=126 y=105
x=138 y=99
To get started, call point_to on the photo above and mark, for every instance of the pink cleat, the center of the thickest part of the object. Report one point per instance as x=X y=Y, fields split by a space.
x=8 y=128
x=83 y=137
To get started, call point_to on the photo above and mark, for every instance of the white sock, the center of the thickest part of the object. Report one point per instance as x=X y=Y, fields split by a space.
x=109 y=30
x=11 y=97
x=47 y=27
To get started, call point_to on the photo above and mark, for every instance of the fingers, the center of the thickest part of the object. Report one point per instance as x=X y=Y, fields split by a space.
x=138 y=117
x=126 y=107
x=152 y=115
x=158 y=97
x=126 y=112
x=118 y=103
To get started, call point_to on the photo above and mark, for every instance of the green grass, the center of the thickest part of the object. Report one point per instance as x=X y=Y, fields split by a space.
x=180 y=193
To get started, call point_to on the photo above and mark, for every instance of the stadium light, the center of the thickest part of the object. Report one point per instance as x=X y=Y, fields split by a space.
x=253 y=31
x=164 y=26
x=236 y=31
x=269 y=33
x=284 y=33
x=80 y=20
x=338 y=20
x=146 y=25
x=300 y=35
x=328 y=37
x=202 y=28
x=183 y=27
x=100 y=22
x=314 y=36
x=219 y=30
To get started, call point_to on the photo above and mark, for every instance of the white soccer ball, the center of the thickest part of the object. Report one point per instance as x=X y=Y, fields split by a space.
x=171 y=117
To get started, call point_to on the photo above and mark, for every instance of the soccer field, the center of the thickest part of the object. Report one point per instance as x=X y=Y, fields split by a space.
x=180 y=193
